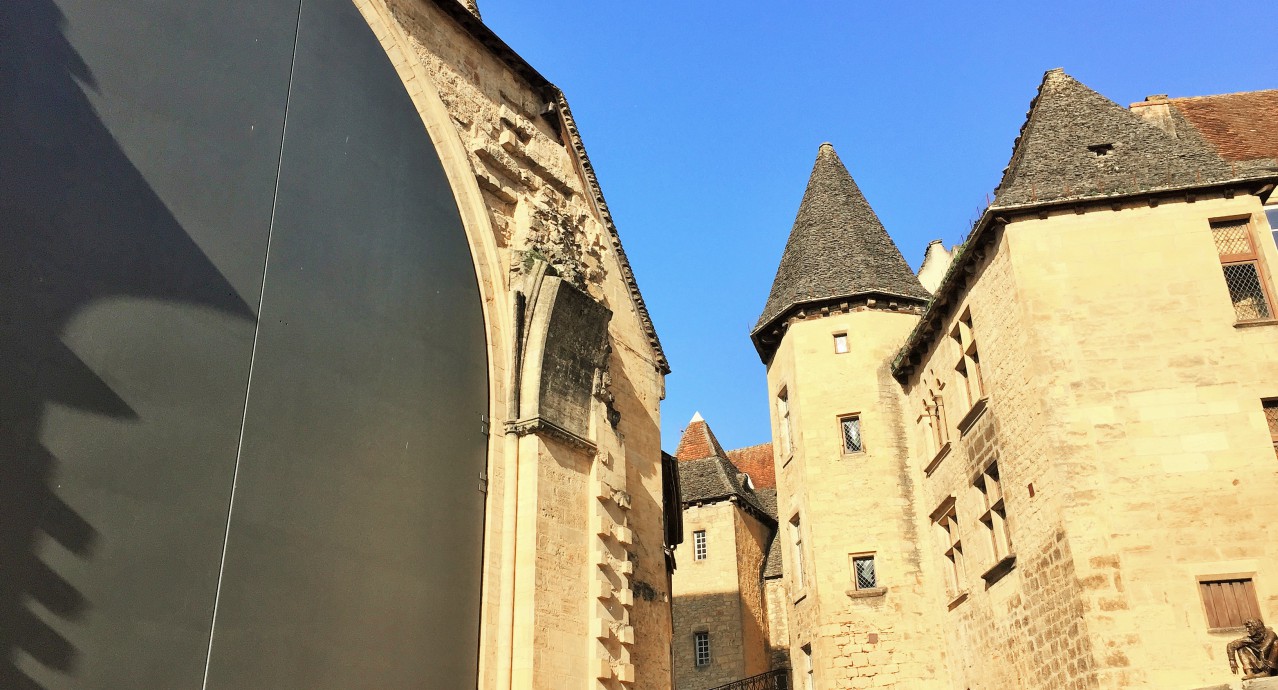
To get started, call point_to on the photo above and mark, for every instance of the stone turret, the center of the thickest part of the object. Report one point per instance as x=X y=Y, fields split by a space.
x=838 y=253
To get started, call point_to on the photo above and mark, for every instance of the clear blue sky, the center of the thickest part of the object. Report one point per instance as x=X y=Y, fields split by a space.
x=703 y=120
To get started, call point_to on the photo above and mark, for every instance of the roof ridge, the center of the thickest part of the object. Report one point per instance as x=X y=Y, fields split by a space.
x=1218 y=95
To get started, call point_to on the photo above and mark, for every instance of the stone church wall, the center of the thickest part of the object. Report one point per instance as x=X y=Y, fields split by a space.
x=576 y=590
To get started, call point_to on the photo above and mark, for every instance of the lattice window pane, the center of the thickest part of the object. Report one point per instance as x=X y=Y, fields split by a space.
x=865 y=577
x=701 y=647
x=1245 y=291
x=851 y=434
x=699 y=545
x=1271 y=416
x=1231 y=237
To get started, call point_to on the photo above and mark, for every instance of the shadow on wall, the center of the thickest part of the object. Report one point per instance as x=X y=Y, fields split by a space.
x=738 y=645
x=78 y=224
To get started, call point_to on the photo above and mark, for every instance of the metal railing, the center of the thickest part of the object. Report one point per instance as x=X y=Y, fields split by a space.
x=777 y=679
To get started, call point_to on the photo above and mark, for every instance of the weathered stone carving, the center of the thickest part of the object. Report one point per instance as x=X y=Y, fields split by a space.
x=1257 y=651
x=564 y=347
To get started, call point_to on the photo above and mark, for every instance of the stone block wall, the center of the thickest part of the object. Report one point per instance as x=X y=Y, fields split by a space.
x=576 y=592
x=707 y=598
x=1124 y=414
x=852 y=504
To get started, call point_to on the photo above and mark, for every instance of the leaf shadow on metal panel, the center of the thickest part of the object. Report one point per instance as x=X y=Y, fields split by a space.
x=78 y=223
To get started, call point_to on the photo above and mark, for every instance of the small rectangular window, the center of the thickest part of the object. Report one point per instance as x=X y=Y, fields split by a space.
x=1229 y=602
x=840 y=343
x=699 y=545
x=1241 y=265
x=807 y=666
x=796 y=542
x=968 y=366
x=783 y=422
x=956 y=570
x=863 y=572
x=701 y=647
x=850 y=427
x=995 y=516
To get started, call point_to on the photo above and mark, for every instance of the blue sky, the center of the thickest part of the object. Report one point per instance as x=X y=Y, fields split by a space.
x=703 y=120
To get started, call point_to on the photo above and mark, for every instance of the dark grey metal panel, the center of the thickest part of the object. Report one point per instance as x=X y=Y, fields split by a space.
x=139 y=144
x=353 y=557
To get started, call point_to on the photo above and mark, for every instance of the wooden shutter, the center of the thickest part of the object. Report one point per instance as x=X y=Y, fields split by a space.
x=1229 y=602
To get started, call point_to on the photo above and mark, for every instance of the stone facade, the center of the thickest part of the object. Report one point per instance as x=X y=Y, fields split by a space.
x=719 y=583
x=576 y=588
x=1055 y=451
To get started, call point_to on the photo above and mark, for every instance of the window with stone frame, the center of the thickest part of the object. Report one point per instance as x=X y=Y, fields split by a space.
x=808 y=668
x=968 y=366
x=995 y=516
x=1240 y=262
x=701 y=648
x=864 y=573
x=946 y=518
x=699 y=545
x=1229 y=601
x=783 y=422
x=796 y=543
x=1270 y=406
x=840 y=343
x=850 y=432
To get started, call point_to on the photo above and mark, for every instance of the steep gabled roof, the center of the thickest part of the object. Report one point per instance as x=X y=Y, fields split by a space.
x=1239 y=126
x=698 y=441
x=1077 y=144
x=837 y=247
x=716 y=479
x=1053 y=166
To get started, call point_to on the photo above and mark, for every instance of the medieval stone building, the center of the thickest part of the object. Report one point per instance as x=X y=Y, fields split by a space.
x=1047 y=460
x=727 y=580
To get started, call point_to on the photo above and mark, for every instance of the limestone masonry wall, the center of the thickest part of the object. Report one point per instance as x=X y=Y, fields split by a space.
x=576 y=593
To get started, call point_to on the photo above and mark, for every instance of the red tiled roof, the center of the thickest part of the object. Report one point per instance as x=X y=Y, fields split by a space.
x=756 y=461
x=1240 y=126
x=698 y=442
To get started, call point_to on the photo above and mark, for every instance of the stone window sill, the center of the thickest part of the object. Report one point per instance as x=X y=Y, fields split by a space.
x=958 y=599
x=1253 y=324
x=1227 y=631
x=1005 y=565
x=866 y=593
x=978 y=409
x=936 y=461
x=802 y=595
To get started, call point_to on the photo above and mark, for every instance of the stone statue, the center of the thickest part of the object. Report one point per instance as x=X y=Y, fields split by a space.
x=1258 y=651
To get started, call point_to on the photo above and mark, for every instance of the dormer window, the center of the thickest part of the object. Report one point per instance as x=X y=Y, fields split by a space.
x=1101 y=149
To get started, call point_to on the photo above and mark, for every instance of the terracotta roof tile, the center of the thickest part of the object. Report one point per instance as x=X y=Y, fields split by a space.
x=1240 y=126
x=756 y=461
x=698 y=442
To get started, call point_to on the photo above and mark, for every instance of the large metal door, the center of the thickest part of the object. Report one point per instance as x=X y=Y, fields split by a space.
x=242 y=362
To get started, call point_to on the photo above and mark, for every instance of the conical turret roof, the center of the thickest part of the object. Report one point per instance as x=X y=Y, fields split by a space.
x=837 y=247
x=1077 y=144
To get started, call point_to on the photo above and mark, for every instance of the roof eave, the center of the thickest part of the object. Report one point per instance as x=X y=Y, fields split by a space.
x=920 y=337
x=766 y=351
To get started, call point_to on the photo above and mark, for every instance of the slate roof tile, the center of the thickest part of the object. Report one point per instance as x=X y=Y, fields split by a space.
x=1077 y=144
x=837 y=247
